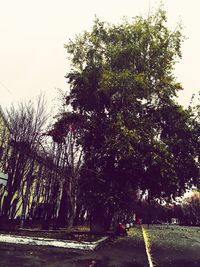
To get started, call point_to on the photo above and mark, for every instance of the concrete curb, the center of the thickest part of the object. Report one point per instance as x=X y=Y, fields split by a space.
x=39 y=241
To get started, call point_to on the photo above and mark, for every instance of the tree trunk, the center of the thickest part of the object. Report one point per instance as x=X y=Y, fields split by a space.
x=97 y=220
x=7 y=203
x=63 y=210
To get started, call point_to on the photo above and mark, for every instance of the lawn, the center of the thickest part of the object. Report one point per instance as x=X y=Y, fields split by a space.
x=117 y=252
x=170 y=246
x=175 y=246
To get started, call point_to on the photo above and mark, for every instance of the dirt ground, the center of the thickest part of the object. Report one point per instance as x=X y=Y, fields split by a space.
x=120 y=252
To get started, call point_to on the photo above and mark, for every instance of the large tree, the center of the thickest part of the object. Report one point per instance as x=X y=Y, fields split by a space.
x=136 y=136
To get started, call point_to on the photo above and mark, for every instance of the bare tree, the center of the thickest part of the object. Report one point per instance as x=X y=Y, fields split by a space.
x=66 y=135
x=4 y=149
x=27 y=122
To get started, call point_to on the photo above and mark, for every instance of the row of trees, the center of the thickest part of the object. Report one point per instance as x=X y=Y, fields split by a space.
x=185 y=211
x=43 y=172
x=121 y=135
x=190 y=209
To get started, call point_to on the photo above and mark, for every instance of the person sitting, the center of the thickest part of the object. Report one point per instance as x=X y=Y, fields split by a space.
x=121 y=230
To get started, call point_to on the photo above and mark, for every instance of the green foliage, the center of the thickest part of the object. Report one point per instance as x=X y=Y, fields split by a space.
x=191 y=208
x=135 y=135
x=66 y=124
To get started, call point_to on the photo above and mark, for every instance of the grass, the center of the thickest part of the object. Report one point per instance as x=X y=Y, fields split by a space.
x=117 y=252
x=175 y=246
x=170 y=246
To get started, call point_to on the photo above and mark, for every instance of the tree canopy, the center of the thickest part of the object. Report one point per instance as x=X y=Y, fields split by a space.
x=135 y=136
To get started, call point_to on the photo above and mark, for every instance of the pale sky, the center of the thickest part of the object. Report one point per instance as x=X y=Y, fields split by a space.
x=33 y=34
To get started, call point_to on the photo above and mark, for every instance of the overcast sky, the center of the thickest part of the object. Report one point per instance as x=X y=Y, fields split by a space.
x=33 y=34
